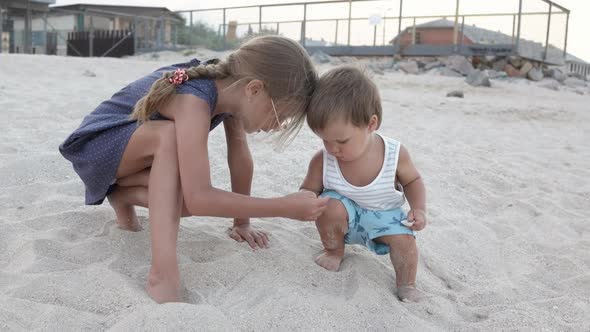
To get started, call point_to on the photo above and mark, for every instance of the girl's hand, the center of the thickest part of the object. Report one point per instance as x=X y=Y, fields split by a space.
x=418 y=217
x=304 y=205
x=255 y=238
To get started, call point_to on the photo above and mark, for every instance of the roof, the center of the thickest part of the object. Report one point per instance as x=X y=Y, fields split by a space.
x=129 y=10
x=475 y=34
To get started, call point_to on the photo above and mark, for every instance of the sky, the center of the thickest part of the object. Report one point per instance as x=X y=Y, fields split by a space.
x=533 y=27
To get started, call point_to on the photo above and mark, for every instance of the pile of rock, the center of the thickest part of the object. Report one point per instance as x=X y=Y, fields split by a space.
x=478 y=71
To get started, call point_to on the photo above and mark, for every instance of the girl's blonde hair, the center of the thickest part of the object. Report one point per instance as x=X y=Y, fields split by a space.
x=280 y=63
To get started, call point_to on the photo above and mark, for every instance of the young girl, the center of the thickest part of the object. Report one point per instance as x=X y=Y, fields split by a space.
x=367 y=176
x=147 y=146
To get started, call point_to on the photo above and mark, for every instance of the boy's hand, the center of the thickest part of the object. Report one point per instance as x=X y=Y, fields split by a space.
x=418 y=218
x=255 y=238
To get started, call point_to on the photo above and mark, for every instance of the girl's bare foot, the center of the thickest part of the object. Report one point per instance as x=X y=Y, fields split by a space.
x=329 y=260
x=409 y=293
x=162 y=289
x=126 y=217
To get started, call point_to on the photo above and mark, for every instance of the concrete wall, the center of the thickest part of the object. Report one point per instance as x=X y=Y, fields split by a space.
x=99 y=23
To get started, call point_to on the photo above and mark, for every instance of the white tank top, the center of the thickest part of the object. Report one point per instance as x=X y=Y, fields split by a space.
x=381 y=194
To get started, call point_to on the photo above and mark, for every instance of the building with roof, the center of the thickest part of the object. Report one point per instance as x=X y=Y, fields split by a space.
x=440 y=33
x=23 y=10
x=153 y=26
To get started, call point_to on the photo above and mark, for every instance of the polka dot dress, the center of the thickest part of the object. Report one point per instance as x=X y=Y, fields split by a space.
x=96 y=147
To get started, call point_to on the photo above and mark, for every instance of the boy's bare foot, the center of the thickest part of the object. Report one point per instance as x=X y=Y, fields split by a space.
x=329 y=260
x=126 y=217
x=409 y=293
x=163 y=290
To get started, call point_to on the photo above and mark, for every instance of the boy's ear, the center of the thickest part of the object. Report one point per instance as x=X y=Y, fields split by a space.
x=254 y=87
x=373 y=122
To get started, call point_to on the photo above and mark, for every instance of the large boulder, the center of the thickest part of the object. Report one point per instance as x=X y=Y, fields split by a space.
x=499 y=64
x=460 y=64
x=434 y=64
x=525 y=68
x=408 y=67
x=479 y=78
x=557 y=74
x=535 y=74
x=321 y=57
x=511 y=71
x=515 y=61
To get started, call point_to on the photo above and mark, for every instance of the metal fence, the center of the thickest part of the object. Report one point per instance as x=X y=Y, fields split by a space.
x=536 y=29
x=384 y=30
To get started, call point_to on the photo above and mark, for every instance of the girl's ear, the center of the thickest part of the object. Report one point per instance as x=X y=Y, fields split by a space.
x=254 y=87
x=373 y=123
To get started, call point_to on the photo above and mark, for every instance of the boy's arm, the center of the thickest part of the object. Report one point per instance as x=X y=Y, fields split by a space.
x=313 y=181
x=414 y=189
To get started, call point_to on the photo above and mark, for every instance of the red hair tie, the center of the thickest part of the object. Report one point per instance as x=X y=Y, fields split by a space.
x=179 y=77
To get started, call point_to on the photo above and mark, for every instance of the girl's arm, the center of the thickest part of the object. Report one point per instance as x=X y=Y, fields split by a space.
x=192 y=119
x=414 y=189
x=314 y=179
x=241 y=169
x=239 y=159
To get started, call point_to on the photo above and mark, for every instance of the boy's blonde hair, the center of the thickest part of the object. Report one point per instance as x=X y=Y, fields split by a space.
x=344 y=93
x=280 y=63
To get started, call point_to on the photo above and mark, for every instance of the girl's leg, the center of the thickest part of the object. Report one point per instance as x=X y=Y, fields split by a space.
x=404 y=257
x=332 y=226
x=133 y=190
x=123 y=199
x=154 y=145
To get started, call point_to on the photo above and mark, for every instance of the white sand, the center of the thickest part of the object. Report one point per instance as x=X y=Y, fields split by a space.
x=507 y=247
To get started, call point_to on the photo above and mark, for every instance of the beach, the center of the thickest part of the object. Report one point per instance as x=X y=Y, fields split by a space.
x=507 y=246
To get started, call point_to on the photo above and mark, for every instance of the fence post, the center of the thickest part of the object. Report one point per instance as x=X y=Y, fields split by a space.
x=44 y=34
x=91 y=39
x=384 y=20
x=224 y=30
x=28 y=29
x=548 y=29
x=567 y=21
x=190 y=32
x=259 y=19
x=349 y=20
x=516 y=49
x=175 y=35
x=399 y=27
x=134 y=35
x=513 y=28
x=414 y=32
x=336 y=34
x=1 y=28
x=462 y=41
x=303 y=23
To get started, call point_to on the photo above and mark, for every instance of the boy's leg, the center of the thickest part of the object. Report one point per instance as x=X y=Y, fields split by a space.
x=332 y=226
x=404 y=257
x=154 y=145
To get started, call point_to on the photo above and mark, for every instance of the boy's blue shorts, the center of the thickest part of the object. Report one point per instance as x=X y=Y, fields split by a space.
x=365 y=225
